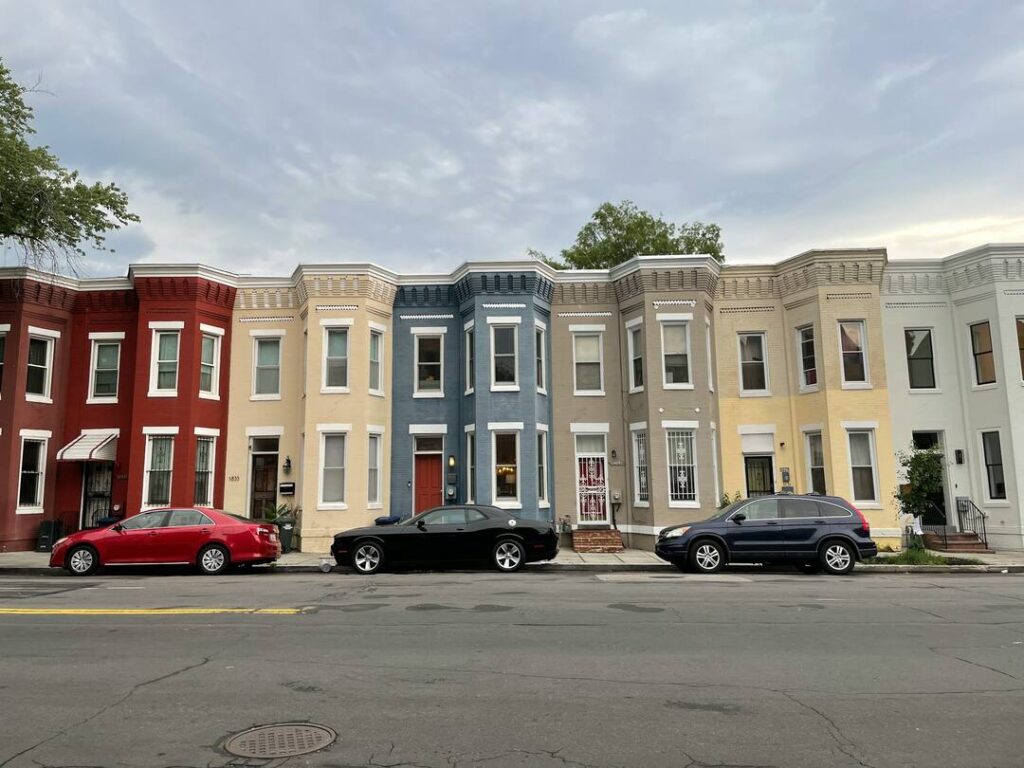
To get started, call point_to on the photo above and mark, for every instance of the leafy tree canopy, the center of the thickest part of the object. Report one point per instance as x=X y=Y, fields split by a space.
x=922 y=469
x=617 y=233
x=47 y=213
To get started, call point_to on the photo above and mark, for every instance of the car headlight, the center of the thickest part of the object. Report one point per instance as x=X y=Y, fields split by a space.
x=675 y=532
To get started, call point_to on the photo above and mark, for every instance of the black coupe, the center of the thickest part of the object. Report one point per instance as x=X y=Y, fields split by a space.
x=448 y=536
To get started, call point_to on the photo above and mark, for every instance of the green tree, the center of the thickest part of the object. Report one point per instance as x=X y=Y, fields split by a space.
x=617 y=233
x=922 y=469
x=47 y=213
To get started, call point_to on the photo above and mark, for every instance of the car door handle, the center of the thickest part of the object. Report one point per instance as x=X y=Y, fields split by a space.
x=153 y=533
x=771 y=522
x=460 y=529
x=204 y=530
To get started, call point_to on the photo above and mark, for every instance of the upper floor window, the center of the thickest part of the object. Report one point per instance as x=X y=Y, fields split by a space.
x=504 y=354
x=209 y=362
x=336 y=359
x=675 y=354
x=984 y=358
x=106 y=360
x=163 y=375
x=39 y=375
x=376 y=362
x=635 y=350
x=540 y=352
x=588 y=357
x=920 y=358
x=995 y=482
x=753 y=363
x=852 y=346
x=267 y=368
x=805 y=353
x=429 y=365
x=470 y=340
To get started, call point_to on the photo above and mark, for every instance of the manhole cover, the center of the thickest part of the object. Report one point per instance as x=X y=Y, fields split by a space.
x=281 y=740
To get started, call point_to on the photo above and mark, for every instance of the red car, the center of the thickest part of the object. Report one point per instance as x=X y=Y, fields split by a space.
x=208 y=538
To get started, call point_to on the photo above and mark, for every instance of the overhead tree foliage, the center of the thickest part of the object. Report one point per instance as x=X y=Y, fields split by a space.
x=47 y=213
x=922 y=468
x=617 y=233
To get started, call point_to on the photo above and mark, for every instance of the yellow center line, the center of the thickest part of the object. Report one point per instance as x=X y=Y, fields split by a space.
x=145 y=611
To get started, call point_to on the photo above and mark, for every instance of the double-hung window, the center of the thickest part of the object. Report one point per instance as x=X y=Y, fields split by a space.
x=332 y=466
x=635 y=350
x=993 y=453
x=470 y=466
x=588 y=357
x=641 y=479
x=815 y=462
x=39 y=373
x=682 y=468
x=376 y=384
x=863 y=465
x=675 y=351
x=506 y=468
x=853 y=349
x=541 y=356
x=807 y=360
x=753 y=364
x=429 y=362
x=373 y=453
x=984 y=357
x=920 y=358
x=32 y=476
x=209 y=362
x=104 y=368
x=336 y=350
x=165 y=350
x=542 y=467
x=159 y=469
x=504 y=357
x=205 y=457
x=266 y=379
x=470 y=342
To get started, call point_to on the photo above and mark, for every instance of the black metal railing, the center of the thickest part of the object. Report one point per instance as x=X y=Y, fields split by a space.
x=939 y=530
x=971 y=519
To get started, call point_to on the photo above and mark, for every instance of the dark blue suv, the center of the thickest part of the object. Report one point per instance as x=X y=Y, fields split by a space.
x=813 y=532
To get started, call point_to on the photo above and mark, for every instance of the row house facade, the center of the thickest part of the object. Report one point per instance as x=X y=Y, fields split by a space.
x=632 y=398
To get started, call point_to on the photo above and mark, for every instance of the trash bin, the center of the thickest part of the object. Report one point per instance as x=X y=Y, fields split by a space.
x=285 y=528
x=49 y=532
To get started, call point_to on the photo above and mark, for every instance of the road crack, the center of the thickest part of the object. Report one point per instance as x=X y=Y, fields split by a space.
x=843 y=743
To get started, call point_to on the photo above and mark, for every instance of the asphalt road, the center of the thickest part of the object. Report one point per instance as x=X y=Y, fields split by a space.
x=461 y=670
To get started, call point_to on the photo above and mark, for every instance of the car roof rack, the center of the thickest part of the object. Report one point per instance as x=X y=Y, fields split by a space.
x=813 y=493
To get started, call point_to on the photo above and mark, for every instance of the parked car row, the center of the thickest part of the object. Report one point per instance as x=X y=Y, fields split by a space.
x=815 y=533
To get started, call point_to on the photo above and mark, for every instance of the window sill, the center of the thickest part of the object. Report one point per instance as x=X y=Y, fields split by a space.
x=469 y=391
x=810 y=390
x=209 y=396
x=504 y=388
x=984 y=387
x=331 y=506
x=635 y=390
x=255 y=398
x=508 y=504
x=163 y=393
x=544 y=391
x=376 y=393
x=335 y=390
x=589 y=393
x=857 y=385
x=101 y=401
x=28 y=511
x=995 y=503
x=755 y=393
x=924 y=391
x=680 y=385
x=867 y=504
x=684 y=504
x=38 y=399
x=428 y=395
x=642 y=504
x=375 y=505
x=544 y=505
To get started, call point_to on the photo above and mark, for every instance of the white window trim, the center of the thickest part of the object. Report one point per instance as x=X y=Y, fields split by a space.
x=807 y=432
x=428 y=429
x=154 y=353
x=96 y=340
x=851 y=427
x=205 y=432
x=714 y=462
x=151 y=432
x=581 y=524
x=542 y=328
x=418 y=333
x=324 y=431
x=336 y=324
x=767 y=391
x=866 y=384
x=470 y=463
x=937 y=389
x=217 y=334
x=588 y=330
x=505 y=386
x=986 y=500
x=377 y=432
x=469 y=354
x=975 y=386
x=50 y=337
x=681 y=424
x=213 y=466
x=264 y=431
x=802 y=387
x=5 y=328
x=589 y=427
x=382 y=331
x=167 y=325
x=676 y=318
x=500 y=428
x=677 y=426
x=707 y=352
x=636 y=324
x=39 y=435
x=97 y=335
x=634 y=430
x=257 y=337
x=544 y=502
x=263 y=332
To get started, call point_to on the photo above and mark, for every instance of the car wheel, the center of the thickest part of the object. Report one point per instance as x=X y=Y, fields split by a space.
x=213 y=560
x=509 y=555
x=82 y=561
x=368 y=557
x=837 y=557
x=707 y=556
x=808 y=568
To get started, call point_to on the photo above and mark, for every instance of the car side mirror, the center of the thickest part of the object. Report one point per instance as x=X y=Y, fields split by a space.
x=421 y=525
x=739 y=517
x=117 y=527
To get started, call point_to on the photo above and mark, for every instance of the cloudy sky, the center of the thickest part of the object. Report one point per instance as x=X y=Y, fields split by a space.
x=254 y=135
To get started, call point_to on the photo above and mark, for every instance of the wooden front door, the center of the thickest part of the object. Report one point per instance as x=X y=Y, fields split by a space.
x=428 y=482
x=264 y=484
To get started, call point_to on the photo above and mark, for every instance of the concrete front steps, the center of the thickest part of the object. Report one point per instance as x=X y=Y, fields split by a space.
x=588 y=540
x=956 y=542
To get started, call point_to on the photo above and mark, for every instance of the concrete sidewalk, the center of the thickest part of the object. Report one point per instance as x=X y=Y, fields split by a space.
x=636 y=560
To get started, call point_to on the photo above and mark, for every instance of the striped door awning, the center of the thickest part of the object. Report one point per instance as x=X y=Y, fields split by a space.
x=91 y=446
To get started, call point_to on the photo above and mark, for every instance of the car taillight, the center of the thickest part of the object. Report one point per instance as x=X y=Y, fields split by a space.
x=865 y=526
x=263 y=531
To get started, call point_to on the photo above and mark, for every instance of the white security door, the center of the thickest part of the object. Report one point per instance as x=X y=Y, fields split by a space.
x=591 y=480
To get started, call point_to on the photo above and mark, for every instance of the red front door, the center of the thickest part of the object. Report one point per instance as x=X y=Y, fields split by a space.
x=427 y=482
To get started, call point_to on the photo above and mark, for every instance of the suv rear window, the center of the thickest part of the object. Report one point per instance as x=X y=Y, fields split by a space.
x=799 y=508
x=830 y=509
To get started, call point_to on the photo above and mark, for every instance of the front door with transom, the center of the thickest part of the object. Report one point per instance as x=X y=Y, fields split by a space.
x=263 y=494
x=760 y=475
x=591 y=480
x=428 y=474
x=936 y=512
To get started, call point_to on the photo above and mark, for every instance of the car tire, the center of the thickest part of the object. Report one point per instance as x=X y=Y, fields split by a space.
x=213 y=560
x=707 y=556
x=508 y=555
x=810 y=568
x=837 y=557
x=367 y=557
x=82 y=561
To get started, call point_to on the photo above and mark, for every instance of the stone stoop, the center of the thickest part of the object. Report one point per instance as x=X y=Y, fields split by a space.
x=597 y=541
x=957 y=542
